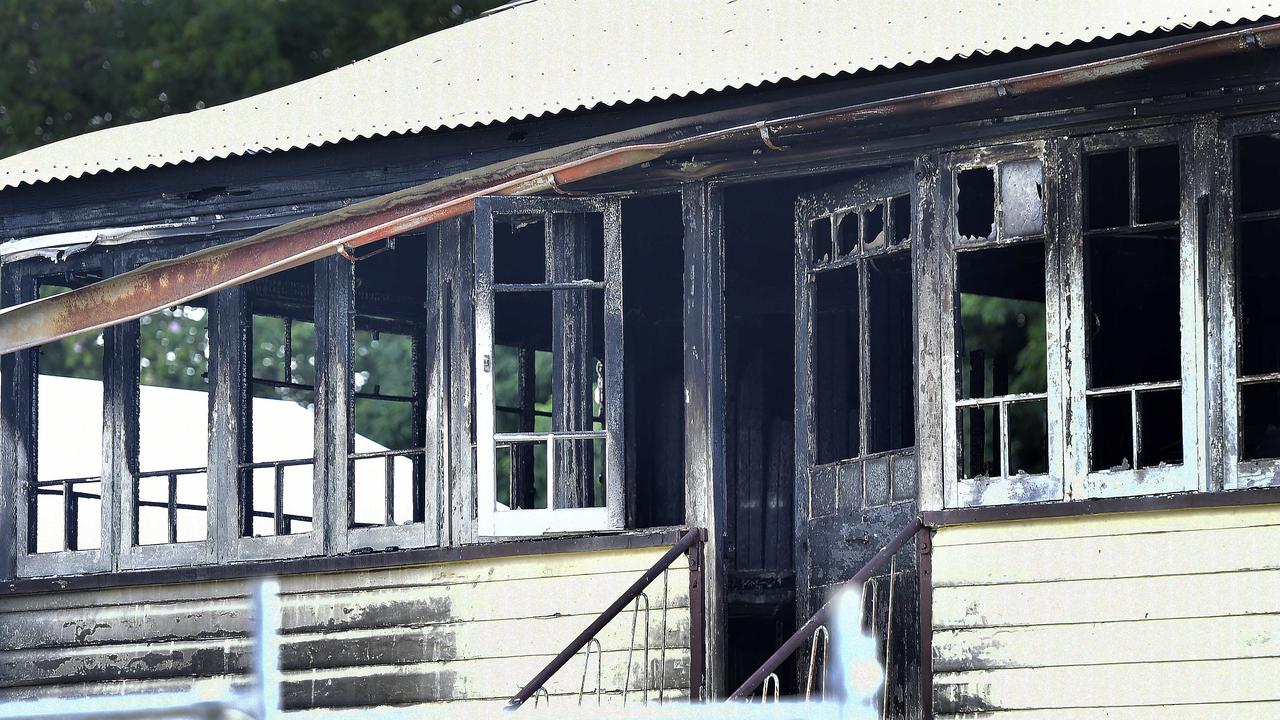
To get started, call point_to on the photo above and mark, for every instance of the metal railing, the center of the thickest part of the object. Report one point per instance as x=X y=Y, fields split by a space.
x=816 y=631
x=587 y=642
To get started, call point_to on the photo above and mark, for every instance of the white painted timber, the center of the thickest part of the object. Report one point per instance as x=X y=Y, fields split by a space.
x=470 y=631
x=1172 y=614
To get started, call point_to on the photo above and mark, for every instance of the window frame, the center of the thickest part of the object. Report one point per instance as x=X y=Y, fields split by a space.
x=1225 y=220
x=838 y=202
x=1006 y=489
x=429 y=379
x=492 y=523
x=131 y=554
x=1086 y=484
x=21 y=423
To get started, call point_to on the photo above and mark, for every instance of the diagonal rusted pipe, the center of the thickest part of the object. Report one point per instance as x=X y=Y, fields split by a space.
x=162 y=284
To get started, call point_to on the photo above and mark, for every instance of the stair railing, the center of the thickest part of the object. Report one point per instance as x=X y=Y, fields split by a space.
x=816 y=627
x=633 y=594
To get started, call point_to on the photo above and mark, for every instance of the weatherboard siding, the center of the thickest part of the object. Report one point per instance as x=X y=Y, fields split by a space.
x=464 y=633
x=1172 y=614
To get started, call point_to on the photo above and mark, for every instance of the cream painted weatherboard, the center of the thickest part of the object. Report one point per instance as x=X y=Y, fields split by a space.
x=1170 y=615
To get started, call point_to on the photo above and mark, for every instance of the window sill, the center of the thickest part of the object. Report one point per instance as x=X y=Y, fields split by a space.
x=1141 y=503
x=618 y=540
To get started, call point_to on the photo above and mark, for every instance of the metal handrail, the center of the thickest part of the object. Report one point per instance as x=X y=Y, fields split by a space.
x=615 y=608
x=823 y=614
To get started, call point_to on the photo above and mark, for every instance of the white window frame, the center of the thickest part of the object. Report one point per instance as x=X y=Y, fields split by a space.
x=526 y=522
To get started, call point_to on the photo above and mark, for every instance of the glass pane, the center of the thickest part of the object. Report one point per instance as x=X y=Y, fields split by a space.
x=297 y=499
x=268 y=348
x=979 y=433
x=69 y=437
x=820 y=237
x=1160 y=412
x=1258 y=172
x=873 y=228
x=1029 y=437
x=1259 y=421
x=1106 y=182
x=1000 y=335
x=835 y=365
x=1132 y=306
x=519 y=250
x=522 y=476
x=193 y=502
x=900 y=209
x=1159 y=187
x=847 y=235
x=976 y=203
x=891 y=401
x=1110 y=432
x=283 y=424
x=384 y=425
x=173 y=398
x=1258 y=273
x=1022 y=198
x=153 y=510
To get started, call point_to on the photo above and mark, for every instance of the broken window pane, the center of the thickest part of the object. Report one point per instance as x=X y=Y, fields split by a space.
x=579 y=247
x=1131 y=293
x=579 y=467
x=873 y=228
x=522 y=476
x=1000 y=334
x=1258 y=172
x=979 y=432
x=891 y=404
x=835 y=365
x=1160 y=415
x=1259 y=421
x=900 y=210
x=1159 y=188
x=847 y=235
x=1258 y=314
x=821 y=240
x=173 y=399
x=519 y=250
x=1107 y=190
x=1022 y=198
x=976 y=203
x=68 y=452
x=1110 y=432
x=1028 y=437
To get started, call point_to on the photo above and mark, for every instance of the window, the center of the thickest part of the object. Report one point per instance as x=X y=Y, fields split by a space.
x=1252 y=361
x=549 y=366
x=1003 y=302
x=857 y=291
x=1134 y=319
x=168 y=501
x=66 y=496
x=393 y=476
x=1075 y=327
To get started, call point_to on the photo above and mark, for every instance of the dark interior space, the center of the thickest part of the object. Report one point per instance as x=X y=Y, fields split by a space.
x=1131 y=282
x=1257 y=313
x=653 y=281
x=759 y=362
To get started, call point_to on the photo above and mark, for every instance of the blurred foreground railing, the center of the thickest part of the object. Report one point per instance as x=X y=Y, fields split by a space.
x=816 y=632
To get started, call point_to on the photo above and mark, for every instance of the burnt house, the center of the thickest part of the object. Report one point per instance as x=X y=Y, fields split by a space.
x=699 y=311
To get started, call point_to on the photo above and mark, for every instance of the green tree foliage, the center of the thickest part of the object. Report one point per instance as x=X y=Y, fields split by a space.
x=71 y=66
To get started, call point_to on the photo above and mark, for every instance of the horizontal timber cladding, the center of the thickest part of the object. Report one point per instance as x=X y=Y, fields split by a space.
x=465 y=633
x=1162 y=614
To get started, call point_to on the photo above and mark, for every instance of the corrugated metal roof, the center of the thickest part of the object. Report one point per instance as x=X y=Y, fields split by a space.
x=553 y=55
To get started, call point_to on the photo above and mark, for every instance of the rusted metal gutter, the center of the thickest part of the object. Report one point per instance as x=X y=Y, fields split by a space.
x=159 y=285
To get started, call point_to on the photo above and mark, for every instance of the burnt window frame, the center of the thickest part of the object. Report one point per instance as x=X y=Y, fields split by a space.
x=239 y=546
x=21 y=283
x=491 y=523
x=1225 y=216
x=823 y=484
x=959 y=491
x=429 y=382
x=132 y=555
x=1187 y=476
